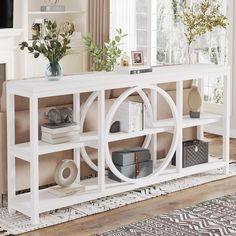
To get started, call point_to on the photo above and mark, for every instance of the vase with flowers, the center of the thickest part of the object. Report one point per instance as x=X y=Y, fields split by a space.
x=54 y=45
x=198 y=22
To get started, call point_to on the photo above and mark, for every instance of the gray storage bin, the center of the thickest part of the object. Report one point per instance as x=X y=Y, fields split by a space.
x=127 y=157
x=195 y=152
x=132 y=163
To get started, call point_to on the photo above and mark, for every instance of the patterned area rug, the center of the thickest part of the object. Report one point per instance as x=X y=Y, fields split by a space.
x=212 y=218
x=18 y=223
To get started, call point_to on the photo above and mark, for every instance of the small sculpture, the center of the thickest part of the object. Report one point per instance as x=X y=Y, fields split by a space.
x=59 y=116
x=194 y=102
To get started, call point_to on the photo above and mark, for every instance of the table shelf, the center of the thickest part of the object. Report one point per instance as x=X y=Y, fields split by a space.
x=22 y=150
x=48 y=201
x=38 y=201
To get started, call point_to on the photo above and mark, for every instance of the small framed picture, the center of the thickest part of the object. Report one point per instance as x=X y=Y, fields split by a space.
x=137 y=58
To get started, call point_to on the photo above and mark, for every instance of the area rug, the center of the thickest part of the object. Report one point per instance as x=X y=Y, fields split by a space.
x=18 y=223
x=211 y=218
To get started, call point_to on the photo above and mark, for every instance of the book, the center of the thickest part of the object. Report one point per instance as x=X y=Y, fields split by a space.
x=129 y=114
x=60 y=140
x=66 y=191
x=60 y=135
x=53 y=8
x=61 y=128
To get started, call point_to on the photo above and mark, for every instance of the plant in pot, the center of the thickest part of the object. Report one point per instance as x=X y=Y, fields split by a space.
x=105 y=58
x=197 y=23
x=54 y=46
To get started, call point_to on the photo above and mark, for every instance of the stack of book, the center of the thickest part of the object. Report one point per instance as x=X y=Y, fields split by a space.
x=66 y=191
x=62 y=133
x=131 y=116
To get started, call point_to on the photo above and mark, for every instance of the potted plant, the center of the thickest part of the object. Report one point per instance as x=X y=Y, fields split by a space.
x=54 y=45
x=206 y=19
x=105 y=58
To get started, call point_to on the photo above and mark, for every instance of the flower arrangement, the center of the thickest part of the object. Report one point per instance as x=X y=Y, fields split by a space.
x=198 y=23
x=54 y=45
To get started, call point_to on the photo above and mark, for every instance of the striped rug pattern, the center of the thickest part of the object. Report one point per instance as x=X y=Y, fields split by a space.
x=212 y=218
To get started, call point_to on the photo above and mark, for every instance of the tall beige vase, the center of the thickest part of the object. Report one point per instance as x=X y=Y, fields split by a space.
x=194 y=102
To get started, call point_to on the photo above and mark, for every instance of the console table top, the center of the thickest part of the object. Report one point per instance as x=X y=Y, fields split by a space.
x=41 y=87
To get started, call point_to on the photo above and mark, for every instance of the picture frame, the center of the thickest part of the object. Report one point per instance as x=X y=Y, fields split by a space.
x=137 y=58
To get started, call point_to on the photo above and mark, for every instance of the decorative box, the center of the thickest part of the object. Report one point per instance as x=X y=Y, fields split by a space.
x=132 y=163
x=195 y=152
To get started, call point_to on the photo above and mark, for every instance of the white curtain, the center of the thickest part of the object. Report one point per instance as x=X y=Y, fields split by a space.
x=123 y=15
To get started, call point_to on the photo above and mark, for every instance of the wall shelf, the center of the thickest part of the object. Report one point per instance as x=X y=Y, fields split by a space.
x=34 y=13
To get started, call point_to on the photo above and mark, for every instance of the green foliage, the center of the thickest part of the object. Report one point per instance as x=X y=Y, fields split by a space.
x=105 y=58
x=206 y=19
x=53 y=46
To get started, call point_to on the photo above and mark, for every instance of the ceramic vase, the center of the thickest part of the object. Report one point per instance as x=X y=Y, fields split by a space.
x=194 y=102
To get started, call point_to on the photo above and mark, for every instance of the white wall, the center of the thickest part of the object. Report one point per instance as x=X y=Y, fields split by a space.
x=233 y=118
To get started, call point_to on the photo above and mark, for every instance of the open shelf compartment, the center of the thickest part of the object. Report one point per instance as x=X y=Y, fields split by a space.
x=48 y=201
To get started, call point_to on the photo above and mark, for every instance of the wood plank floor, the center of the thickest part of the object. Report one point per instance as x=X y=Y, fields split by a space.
x=139 y=211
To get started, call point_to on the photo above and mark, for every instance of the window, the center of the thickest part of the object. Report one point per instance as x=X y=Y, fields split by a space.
x=154 y=27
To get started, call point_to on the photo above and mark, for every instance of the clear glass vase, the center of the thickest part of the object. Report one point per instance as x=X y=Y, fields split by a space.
x=191 y=55
x=53 y=71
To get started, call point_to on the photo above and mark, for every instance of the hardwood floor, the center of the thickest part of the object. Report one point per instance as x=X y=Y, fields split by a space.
x=146 y=209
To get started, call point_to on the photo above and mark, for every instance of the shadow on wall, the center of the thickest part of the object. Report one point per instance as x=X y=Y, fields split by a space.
x=2 y=77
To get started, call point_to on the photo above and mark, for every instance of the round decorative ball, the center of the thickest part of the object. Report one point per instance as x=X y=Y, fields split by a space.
x=61 y=168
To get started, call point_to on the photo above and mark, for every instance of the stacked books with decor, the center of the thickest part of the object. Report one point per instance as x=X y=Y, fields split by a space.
x=60 y=128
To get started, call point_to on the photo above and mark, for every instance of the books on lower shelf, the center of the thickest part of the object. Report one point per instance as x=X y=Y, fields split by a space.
x=56 y=134
x=132 y=116
x=59 y=191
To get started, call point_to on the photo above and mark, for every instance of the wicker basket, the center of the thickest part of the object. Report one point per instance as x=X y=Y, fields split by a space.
x=195 y=152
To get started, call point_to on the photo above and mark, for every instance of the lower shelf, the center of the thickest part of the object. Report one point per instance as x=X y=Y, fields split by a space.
x=49 y=202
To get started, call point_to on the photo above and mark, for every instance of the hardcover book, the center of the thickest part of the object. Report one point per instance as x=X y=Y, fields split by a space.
x=61 y=128
x=66 y=191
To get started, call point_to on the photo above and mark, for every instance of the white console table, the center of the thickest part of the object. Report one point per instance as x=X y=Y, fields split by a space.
x=38 y=201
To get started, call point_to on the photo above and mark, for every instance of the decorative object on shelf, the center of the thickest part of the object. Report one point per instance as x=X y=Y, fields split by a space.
x=105 y=57
x=194 y=102
x=60 y=127
x=125 y=60
x=197 y=23
x=133 y=163
x=195 y=152
x=65 y=184
x=54 y=46
x=38 y=28
x=130 y=115
x=59 y=116
x=59 y=174
x=137 y=58
x=133 y=70
x=115 y=127
x=51 y=5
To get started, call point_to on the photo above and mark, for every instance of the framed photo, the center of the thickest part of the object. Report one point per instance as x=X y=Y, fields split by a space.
x=137 y=58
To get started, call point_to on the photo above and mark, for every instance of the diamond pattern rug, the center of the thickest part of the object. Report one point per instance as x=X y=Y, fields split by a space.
x=212 y=218
x=18 y=223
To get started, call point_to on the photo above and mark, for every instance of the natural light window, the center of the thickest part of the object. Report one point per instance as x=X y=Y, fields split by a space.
x=154 y=27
